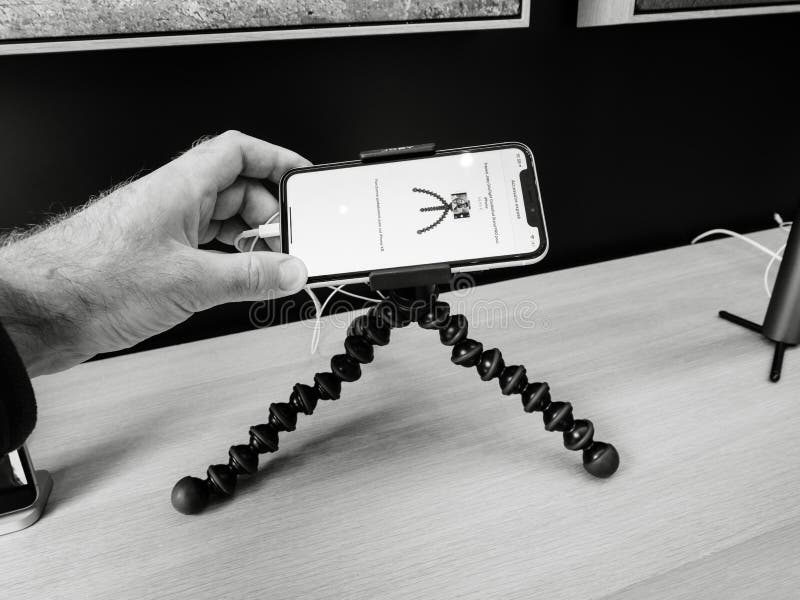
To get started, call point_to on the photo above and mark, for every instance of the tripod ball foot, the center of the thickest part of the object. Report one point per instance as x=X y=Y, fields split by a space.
x=601 y=460
x=190 y=495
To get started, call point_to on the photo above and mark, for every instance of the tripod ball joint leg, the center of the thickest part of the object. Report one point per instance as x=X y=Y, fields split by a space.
x=191 y=495
x=600 y=459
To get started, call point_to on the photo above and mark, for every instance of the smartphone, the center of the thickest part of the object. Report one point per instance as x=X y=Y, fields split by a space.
x=23 y=491
x=474 y=208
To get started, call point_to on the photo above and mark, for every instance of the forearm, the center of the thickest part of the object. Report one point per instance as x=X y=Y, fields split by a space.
x=36 y=308
x=128 y=266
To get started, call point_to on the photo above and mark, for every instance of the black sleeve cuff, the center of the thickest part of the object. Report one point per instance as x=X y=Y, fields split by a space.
x=17 y=402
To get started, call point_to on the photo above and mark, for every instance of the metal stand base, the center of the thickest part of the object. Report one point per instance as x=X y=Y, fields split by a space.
x=780 y=347
x=20 y=519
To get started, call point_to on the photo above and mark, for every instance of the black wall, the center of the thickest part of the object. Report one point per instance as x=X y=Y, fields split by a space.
x=644 y=135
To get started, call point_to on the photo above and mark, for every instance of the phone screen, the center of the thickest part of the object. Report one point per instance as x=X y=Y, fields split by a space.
x=460 y=207
x=17 y=489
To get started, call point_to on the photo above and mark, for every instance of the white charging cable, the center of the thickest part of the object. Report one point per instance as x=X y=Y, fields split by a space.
x=774 y=256
x=272 y=230
x=266 y=231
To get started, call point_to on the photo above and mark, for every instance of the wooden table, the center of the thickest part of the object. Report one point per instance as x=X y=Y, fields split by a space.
x=423 y=481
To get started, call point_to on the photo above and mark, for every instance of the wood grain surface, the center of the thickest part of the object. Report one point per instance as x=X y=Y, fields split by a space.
x=423 y=481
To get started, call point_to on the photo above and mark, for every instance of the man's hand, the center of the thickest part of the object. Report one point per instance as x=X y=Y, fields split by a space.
x=128 y=265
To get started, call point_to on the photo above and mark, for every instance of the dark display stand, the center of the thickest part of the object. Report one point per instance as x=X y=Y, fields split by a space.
x=782 y=321
x=412 y=297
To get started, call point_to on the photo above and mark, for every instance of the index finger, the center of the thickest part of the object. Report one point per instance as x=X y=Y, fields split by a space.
x=220 y=160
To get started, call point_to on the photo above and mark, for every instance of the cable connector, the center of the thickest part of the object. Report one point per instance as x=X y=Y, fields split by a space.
x=266 y=231
x=269 y=230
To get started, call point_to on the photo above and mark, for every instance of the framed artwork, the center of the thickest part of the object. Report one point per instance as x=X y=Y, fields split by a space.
x=616 y=12
x=28 y=26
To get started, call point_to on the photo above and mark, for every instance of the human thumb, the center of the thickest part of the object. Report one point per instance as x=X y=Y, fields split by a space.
x=251 y=276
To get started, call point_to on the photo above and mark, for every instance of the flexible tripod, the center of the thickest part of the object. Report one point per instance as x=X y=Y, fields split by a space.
x=191 y=495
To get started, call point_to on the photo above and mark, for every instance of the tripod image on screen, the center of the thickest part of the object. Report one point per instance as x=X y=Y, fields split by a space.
x=459 y=206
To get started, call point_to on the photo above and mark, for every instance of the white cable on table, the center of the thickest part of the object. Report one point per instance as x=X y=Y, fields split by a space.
x=774 y=256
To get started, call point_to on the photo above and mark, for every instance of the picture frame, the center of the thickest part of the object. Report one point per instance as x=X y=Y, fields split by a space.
x=38 y=26
x=594 y=13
